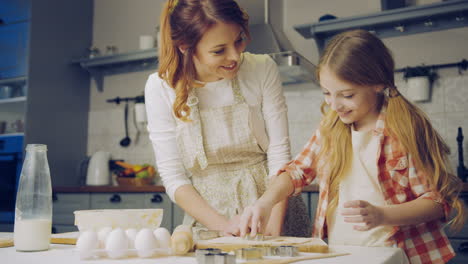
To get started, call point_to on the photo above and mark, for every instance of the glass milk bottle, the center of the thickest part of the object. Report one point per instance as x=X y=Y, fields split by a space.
x=33 y=212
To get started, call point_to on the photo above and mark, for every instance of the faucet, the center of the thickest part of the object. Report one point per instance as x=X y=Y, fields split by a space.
x=461 y=169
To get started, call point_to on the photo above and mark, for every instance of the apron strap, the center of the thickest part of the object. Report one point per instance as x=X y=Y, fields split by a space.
x=238 y=97
x=192 y=102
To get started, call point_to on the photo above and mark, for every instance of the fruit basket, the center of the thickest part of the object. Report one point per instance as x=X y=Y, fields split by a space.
x=132 y=181
x=134 y=175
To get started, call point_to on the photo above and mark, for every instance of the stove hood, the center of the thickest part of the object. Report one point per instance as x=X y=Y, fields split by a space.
x=268 y=38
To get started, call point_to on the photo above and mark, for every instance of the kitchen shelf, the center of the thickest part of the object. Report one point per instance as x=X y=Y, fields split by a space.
x=18 y=81
x=20 y=99
x=100 y=66
x=392 y=23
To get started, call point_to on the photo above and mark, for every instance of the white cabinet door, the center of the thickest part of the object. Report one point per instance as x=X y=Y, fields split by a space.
x=160 y=200
x=6 y=227
x=64 y=228
x=64 y=204
x=177 y=215
x=117 y=200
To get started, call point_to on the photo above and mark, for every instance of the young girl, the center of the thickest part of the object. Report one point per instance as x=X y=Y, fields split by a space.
x=381 y=167
x=217 y=118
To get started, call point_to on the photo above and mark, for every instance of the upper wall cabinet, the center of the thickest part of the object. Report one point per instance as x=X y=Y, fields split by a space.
x=13 y=11
x=13 y=50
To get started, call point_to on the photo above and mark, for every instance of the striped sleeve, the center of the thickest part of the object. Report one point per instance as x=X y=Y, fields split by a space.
x=302 y=169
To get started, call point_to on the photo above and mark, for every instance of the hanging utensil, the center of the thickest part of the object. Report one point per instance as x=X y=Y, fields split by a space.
x=126 y=140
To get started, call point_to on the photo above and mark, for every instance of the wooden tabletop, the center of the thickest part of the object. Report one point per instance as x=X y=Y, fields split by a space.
x=149 y=188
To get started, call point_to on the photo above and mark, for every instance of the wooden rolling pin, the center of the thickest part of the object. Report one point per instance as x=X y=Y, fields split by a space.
x=8 y=242
x=182 y=240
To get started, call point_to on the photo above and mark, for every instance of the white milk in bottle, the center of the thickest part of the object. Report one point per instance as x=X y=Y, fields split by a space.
x=33 y=211
x=24 y=241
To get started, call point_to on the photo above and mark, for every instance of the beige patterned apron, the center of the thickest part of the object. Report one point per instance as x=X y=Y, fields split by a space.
x=218 y=148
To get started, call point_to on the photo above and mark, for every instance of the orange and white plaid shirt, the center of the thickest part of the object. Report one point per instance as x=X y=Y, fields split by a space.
x=400 y=182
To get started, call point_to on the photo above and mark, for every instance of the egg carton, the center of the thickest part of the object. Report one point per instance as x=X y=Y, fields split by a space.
x=118 y=243
x=102 y=253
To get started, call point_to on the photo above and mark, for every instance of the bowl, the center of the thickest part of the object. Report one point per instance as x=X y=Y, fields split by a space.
x=114 y=218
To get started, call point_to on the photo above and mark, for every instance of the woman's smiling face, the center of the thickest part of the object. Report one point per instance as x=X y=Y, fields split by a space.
x=218 y=53
x=354 y=104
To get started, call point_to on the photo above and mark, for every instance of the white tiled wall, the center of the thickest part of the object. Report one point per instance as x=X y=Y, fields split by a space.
x=447 y=110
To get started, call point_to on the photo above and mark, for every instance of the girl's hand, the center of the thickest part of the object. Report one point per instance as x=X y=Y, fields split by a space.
x=255 y=218
x=232 y=227
x=360 y=211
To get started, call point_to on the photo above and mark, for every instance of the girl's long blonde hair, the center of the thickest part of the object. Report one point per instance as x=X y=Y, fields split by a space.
x=183 y=23
x=360 y=58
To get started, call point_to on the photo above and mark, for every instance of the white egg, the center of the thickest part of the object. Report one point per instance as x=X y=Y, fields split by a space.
x=145 y=243
x=117 y=244
x=163 y=237
x=131 y=235
x=86 y=244
x=102 y=236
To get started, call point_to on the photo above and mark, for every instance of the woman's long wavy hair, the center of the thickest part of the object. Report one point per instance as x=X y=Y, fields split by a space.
x=360 y=58
x=183 y=23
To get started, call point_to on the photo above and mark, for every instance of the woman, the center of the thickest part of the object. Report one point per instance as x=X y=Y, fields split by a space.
x=217 y=118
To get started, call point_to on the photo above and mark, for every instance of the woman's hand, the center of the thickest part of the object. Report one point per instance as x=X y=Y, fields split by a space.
x=359 y=211
x=255 y=218
x=232 y=226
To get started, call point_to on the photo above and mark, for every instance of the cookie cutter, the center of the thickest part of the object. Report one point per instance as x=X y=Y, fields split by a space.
x=267 y=251
x=251 y=253
x=205 y=256
x=224 y=258
x=286 y=251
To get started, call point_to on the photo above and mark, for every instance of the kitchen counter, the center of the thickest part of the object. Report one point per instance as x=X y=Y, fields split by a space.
x=152 y=188
x=59 y=254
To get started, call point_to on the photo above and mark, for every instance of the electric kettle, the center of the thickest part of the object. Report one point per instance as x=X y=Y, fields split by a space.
x=98 y=169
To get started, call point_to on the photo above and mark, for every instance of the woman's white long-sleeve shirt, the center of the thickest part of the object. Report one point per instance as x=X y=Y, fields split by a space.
x=261 y=87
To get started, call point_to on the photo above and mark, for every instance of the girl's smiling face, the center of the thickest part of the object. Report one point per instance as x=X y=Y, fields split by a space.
x=218 y=53
x=354 y=104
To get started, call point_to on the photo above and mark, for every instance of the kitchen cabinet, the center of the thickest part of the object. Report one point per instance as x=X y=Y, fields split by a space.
x=391 y=23
x=306 y=196
x=313 y=201
x=6 y=227
x=459 y=240
x=116 y=201
x=461 y=249
x=162 y=201
x=38 y=42
x=64 y=204
x=13 y=11
x=177 y=216
x=13 y=50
